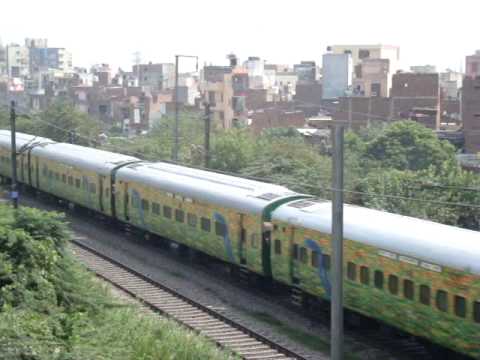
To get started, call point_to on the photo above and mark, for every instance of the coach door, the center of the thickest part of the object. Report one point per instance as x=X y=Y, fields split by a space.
x=242 y=243
x=126 y=204
x=101 y=183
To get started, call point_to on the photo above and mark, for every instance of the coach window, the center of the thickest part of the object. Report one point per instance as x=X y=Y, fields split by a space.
x=476 y=311
x=205 y=224
x=179 y=215
x=393 y=284
x=145 y=205
x=326 y=261
x=93 y=188
x=220 y=228
x=57 y=176
x=295 y=253
x=364 y=275
x=278 y=247
x=70 y=181
x=50 y=174
x=378 y=279
x=460 y=306
x=167 y=212
x=156 y=208
x=351 y=271
x=314 y=260
x=192 y=220
x=408 y=289
x=442 y=300
x=45 y=171
x=64 y=178
x=425 y=294
x=303 y=255
x=77 y=183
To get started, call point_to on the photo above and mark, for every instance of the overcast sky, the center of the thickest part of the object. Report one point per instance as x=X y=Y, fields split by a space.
x=439 y=32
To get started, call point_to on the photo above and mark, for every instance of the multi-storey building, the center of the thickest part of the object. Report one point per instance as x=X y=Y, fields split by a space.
x=471 y=113
x=337 y=74
x=372 y=78
x=18 y=62
x=472 y=65
x=160 y=76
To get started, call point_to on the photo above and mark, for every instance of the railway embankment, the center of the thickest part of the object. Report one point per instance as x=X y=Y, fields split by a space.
x=52 y=308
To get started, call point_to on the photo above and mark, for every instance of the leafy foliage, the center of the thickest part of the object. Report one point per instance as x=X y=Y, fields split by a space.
x=51 y=308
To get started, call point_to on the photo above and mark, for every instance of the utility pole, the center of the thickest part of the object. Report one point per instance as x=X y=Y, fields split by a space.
x=175 y=149
x=208 y=119
x=13 y=143
x=71 y=136
x=336 y=350
x=175 y=96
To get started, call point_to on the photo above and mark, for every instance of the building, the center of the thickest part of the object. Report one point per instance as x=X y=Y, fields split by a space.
x=255 y=68
x=472 y=66
x=42 y=59
x=450 y=83
x=18 y=62
x=362 y=52
x=423 y=69
x=471 y=114
x=337 y=75
x=306 y=72
x=217 y=91
x=155 y=76
x=372 y=78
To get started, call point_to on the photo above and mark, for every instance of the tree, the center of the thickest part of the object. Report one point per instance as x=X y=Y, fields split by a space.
x=407 y=145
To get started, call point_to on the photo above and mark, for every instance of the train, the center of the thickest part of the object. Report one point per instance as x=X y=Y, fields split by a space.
x=416 y=275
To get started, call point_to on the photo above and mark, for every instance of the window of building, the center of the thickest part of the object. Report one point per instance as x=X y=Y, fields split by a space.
x=408 y=289
x=303 y=255
x=205 y=224
x=167 y=212
x=476 y=311
x=77 y=183
x=211 y=98
x=314 y=260
x=179 y=215
x=145 y=205
x=295 y=252
x=363 y=54
x=156 y=208
x=460 y=306
x=221 y=114
x=220 y=228
x=278 y=247
x=378 y=279
x=393 y=284
x=192 y=220
x=64 y=178
x=351 y=271
x=364 y=275
x=326 y=261
x=425 y=294
x=442 y=300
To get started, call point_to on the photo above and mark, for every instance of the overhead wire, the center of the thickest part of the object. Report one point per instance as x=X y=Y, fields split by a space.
x=295 y=184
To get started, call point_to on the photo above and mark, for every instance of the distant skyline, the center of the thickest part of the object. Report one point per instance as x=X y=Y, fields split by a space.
x=439 y=33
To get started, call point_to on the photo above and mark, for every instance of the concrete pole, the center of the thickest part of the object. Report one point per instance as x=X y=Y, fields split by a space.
x=175 y=96
x=336 y=351
x=13 y=143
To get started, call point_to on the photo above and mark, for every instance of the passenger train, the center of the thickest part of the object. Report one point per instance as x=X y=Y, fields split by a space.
x=419 y=276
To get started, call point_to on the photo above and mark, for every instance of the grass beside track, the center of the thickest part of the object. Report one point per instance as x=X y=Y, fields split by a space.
x=52 y=308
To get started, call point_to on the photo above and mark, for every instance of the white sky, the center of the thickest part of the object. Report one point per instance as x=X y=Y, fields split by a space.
x=439 y=32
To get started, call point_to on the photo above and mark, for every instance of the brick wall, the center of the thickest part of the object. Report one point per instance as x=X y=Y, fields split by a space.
x=471 y=114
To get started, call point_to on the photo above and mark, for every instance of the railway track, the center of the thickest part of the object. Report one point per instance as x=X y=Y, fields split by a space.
x=207 y=321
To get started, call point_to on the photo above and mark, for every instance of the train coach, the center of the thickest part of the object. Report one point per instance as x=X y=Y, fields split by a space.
x=416 y=275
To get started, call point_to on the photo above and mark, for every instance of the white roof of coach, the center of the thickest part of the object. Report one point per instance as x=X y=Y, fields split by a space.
x=224 y=190
x=21 y=139
x=421 y=239
x=99 y=161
